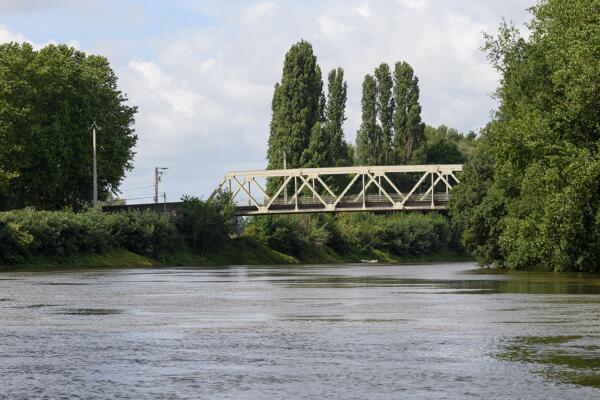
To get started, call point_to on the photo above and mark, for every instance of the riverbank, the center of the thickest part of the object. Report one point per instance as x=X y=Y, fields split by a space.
x=206 y=233
x=240 y=251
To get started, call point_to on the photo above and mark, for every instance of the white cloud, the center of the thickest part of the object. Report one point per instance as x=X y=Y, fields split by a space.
x=333 y=27
x=8 y=36
x=414 y=4
x=363 y=10
x=259 y=11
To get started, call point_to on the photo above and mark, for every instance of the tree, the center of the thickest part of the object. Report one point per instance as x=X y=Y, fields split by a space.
x=408 y=128
x=385 y=111
x=335 y=115
x=368 y=138
x=327 y=147
x=297 y=105
x=206 y=225
x=443 y=145
x=544 y=141
x=48 y=100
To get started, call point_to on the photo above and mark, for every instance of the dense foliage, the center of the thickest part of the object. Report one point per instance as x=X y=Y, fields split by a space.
x=531 y=192
x=355 y=233
x=327 y=147
x=27 y=234
x=48 y=101
x=58 y=235
x=391 y=128
x=206 y=225
x=297 y=106
x=306 y=126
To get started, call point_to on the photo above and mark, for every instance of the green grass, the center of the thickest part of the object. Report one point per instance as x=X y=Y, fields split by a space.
x=239 y=251
x=113 y=259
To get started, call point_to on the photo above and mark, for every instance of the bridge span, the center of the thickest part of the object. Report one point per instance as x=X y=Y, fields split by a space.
x=342 y=189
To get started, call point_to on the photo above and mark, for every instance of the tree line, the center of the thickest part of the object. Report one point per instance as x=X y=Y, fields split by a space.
x=307 y=126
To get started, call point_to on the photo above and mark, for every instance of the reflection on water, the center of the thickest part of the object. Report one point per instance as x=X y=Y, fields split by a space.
x=350 y=331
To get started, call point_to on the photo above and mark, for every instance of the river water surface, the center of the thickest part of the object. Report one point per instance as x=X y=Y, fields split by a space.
x=431 y=331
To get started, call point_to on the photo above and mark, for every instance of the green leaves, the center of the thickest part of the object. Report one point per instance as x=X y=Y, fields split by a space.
x=391 y=127
x=537 y=204
x=48 y=100
x=297 y=106
x=408 y=128
x=369 y=136
x=206 y=225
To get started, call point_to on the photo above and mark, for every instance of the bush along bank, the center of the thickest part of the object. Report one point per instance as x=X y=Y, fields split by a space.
x=354 y=236
x=207 y=232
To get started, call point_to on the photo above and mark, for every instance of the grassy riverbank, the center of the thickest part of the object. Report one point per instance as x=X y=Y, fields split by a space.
x=241 y=251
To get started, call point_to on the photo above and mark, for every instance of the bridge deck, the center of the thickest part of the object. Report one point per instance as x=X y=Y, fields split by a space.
x=348 y=204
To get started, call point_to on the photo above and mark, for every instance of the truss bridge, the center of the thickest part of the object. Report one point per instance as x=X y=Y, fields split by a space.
x=342 y=189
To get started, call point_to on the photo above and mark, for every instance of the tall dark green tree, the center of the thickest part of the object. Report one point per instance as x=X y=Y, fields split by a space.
x=48 y=100
x=297 y=106
x=369 y=136
x=385 y=111
x=327 y=147
x=335 y=115
x=408 y=127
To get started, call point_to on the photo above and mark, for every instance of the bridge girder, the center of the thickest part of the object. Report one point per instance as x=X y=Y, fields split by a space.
x=425 y=194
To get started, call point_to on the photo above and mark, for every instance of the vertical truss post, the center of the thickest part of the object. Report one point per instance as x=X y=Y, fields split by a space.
x=296 y=192
x=446 y=186
x=364 y=192
x=285 y=190
x=432 y=190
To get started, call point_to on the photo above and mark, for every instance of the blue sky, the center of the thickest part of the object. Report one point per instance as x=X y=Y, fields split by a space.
x=202 y=72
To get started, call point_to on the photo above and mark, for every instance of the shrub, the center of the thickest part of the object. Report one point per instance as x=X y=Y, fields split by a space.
x=145 y=232
x=206 y=225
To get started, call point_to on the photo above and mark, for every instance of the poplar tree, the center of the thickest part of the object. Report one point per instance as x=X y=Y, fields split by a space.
x=335 y=115
x=297 y=106
x=385 y=112
x=368 y=138
x=327 y=147
x=408 y=127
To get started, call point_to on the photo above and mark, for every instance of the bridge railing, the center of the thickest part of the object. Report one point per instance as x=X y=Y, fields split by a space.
x=367 y=188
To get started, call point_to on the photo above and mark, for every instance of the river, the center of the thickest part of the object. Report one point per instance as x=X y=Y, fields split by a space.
x=435 y=331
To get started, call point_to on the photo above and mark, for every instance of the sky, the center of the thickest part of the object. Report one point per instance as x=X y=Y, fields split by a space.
x=202 y=72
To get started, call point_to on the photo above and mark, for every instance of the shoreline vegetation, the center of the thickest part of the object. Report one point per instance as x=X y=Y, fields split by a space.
x=122 y=258
x=206 y=233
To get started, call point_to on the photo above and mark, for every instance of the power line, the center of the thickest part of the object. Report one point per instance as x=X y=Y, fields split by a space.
x=137 y=198
x=217 y=163
x=139 y=187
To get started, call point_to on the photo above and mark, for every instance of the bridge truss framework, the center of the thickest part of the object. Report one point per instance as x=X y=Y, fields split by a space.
x=307 y=190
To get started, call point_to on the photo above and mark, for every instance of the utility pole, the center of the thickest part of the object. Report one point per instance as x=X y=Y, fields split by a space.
x=158 y=171
x=94 y=168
